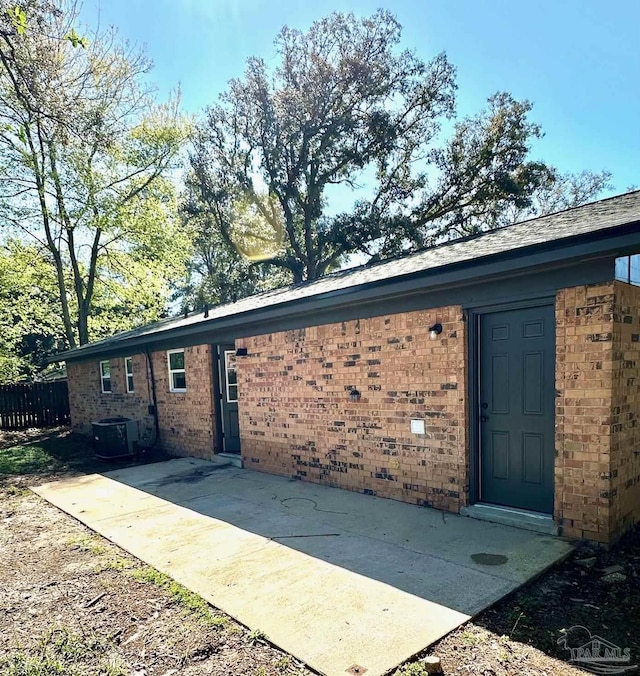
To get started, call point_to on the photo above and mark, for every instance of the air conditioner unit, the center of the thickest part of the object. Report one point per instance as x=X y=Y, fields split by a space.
x=115 y=438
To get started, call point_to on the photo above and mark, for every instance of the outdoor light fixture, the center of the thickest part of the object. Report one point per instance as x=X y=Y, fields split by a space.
x=242 y=352
x=435 y=331
x=354 y=395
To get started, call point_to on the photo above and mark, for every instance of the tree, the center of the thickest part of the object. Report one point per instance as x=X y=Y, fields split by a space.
x=84 y=152
x=226 y=262
x=138 y=275
x=29 y=330
x=218 y=273
x=344 y=107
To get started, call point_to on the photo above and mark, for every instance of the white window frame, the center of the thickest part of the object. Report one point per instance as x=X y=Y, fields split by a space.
x=228 y=353
x=103 y=377
x=128 y=361
x=172 y=371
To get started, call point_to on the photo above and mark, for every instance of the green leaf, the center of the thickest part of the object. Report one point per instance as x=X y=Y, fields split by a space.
x=76 y=40
x=18 y=19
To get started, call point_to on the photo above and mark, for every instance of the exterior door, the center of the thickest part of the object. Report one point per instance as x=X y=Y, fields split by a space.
x=517 y=408
x=228 y=391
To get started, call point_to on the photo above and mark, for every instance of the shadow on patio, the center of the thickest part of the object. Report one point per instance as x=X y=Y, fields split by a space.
x=336 y=578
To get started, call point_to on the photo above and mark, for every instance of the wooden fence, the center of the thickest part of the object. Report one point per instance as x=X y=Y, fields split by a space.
x=34 y=405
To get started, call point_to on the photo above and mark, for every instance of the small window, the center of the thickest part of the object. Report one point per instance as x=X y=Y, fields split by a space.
x=105 y=376
x=628 y=269
x=231 y=372
x=128 y=369
x=177 y=377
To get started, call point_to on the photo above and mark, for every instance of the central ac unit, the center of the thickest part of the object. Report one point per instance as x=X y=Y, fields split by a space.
x=115 y=438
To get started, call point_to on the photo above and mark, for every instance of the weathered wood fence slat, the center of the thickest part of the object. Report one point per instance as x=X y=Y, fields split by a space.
x=33 y=405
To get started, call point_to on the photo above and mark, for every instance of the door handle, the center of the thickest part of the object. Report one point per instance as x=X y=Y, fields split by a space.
x=484 y=418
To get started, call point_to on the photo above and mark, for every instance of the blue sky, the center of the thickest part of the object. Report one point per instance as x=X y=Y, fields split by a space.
x=577 y=60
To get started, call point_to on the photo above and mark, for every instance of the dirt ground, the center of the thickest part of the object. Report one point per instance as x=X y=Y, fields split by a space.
x=76 y=604
x=73 y=603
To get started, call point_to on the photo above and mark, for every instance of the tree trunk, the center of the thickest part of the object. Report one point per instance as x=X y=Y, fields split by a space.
x=38 y=161
x=83 y=325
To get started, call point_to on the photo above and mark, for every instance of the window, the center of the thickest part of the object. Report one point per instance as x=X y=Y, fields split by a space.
x=177 y=377
x=105 y=376
x=231 y=374
x=628 y=269
x=128 y=370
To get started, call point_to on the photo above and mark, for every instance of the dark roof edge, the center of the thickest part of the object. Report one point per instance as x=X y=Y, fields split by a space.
x=450 y=274
x=479 y=235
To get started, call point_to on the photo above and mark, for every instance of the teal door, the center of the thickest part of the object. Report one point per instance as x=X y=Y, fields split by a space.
x=228 y=397
x=517 y=408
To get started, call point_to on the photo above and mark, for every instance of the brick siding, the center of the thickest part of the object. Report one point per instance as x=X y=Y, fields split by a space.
x=297 y=417
x=597 y=413
x=187 y=420
x=89 y=403
x=584 y=368
x=625 y=417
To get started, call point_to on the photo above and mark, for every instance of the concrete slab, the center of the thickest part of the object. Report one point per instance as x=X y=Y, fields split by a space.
x=541 y=523
x=335 y=578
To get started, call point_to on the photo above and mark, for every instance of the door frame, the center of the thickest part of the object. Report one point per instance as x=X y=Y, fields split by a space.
x=218 y=387
x=217 y=397
x=473 y=315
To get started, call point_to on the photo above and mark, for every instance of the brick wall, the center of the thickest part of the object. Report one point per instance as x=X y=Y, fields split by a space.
x=187 y=422
x=297 y=418
x=625 y=414
x=88 y=403
x=584 y=367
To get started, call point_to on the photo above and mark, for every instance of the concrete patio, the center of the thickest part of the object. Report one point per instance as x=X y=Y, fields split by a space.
x=346 y=582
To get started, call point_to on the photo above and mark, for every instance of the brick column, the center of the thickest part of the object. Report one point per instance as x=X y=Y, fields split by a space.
x=584 y=367
x=625 y=412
